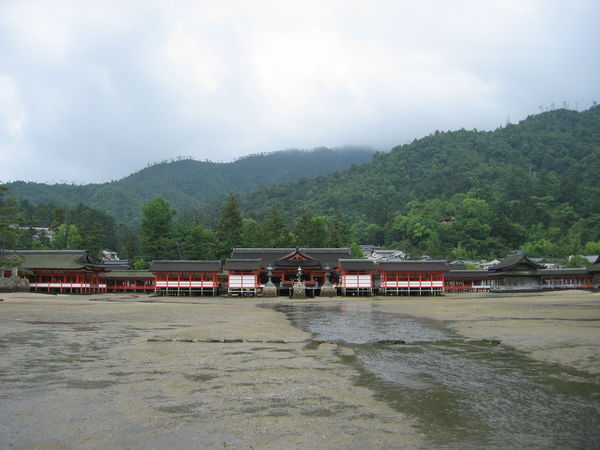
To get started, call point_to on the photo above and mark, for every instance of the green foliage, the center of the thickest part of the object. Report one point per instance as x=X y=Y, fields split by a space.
x=367 y=233
x=67 y=237
x=311 y=230
x=274 y=231
x=131 y=248
x=192 y=242
x=157 y=217
x=229 y=229
x=96 y=228
x=577 y=261
x=356 y=251
x=592 y=248
x=461 y=194
x=338 y=233
x=252 y=233
x=466 y=194
x=139 y=264
x=541 y=247
x=9 y=220
x=189 y=184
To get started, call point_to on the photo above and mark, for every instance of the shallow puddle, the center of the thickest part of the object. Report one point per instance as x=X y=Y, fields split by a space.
x=463 y=393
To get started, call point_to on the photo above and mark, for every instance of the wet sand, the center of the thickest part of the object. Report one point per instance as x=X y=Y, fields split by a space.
x=80 y=371
x=561 y=327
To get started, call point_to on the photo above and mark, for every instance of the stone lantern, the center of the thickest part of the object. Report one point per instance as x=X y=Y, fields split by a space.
x=269 y=289
x=299 y=288
x=328 y=290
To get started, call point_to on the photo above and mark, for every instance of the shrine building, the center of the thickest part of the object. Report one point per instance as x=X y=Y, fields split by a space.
x=284 y=271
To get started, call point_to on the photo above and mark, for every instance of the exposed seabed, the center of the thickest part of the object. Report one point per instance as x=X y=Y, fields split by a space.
x=140 y=372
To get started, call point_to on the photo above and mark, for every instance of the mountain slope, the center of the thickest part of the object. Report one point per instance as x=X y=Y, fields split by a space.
x=543 y=170
x=188 y=184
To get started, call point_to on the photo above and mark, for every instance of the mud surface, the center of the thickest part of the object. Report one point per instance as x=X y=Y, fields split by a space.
x=136 y=372
x=81 y=373
x=463 y=392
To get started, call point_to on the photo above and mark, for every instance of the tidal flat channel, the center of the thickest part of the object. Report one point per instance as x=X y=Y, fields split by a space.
x=464 y=393
x=119 y=371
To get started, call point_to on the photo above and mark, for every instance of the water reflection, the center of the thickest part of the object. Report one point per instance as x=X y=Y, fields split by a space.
x=464 y=393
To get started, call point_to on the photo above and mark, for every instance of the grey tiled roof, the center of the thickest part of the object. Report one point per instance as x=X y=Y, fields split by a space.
x=564 y=272
x=128 y=274
x=517 y=261
x=468 y=274
x=185 y=266
x=53 y=259
x=243 y=264
x=357 y=265
x=413 y=266
x=326 y=256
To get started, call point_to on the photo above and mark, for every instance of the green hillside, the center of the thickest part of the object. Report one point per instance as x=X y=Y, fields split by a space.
x=461 y=194
x=531 y=184
x=188 y=184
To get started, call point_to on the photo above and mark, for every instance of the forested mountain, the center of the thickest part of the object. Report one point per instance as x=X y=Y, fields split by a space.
x=533 y=184
x=458 y=194
x=188 y=184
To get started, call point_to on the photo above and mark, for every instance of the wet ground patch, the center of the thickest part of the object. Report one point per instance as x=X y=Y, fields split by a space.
x=464 y=393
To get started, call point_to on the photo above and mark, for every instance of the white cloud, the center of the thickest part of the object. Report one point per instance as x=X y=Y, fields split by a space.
x=13 y=115
x=90 y=82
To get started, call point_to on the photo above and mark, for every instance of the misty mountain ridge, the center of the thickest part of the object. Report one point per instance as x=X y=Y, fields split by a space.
x=188 y=184
x=464 y=192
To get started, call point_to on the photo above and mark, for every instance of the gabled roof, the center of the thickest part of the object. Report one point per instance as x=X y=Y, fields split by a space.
x=357 y=265
x=243 y=264
x=297 y=258
x=413 y=266
x=185 y=266
x=468 y=274
x=54 y=259
x=516 y=262
x=326 y=256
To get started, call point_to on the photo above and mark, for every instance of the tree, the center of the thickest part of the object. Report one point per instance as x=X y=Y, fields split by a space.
x=9 y=220
x=131 y=247
x=367 y=233
x=356 y=251
x=60 y=217
x=192 y=242
x=252 y=233
x=338 y=234
x=592 y=248
x=229 y=228
x=157 y=216
x=97 y=229
x=67 y=237
x=8 y=231
x=275 y=232
x=578 y=261
x=311 y=230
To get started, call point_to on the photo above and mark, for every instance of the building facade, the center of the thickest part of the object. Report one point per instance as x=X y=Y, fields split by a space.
x=254 y=271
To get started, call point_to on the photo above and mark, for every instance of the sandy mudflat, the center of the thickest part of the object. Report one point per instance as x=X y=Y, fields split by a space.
x=561 y=327
x=79 y=371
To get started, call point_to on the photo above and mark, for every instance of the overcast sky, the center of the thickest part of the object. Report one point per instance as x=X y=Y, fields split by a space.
x=92 y=91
